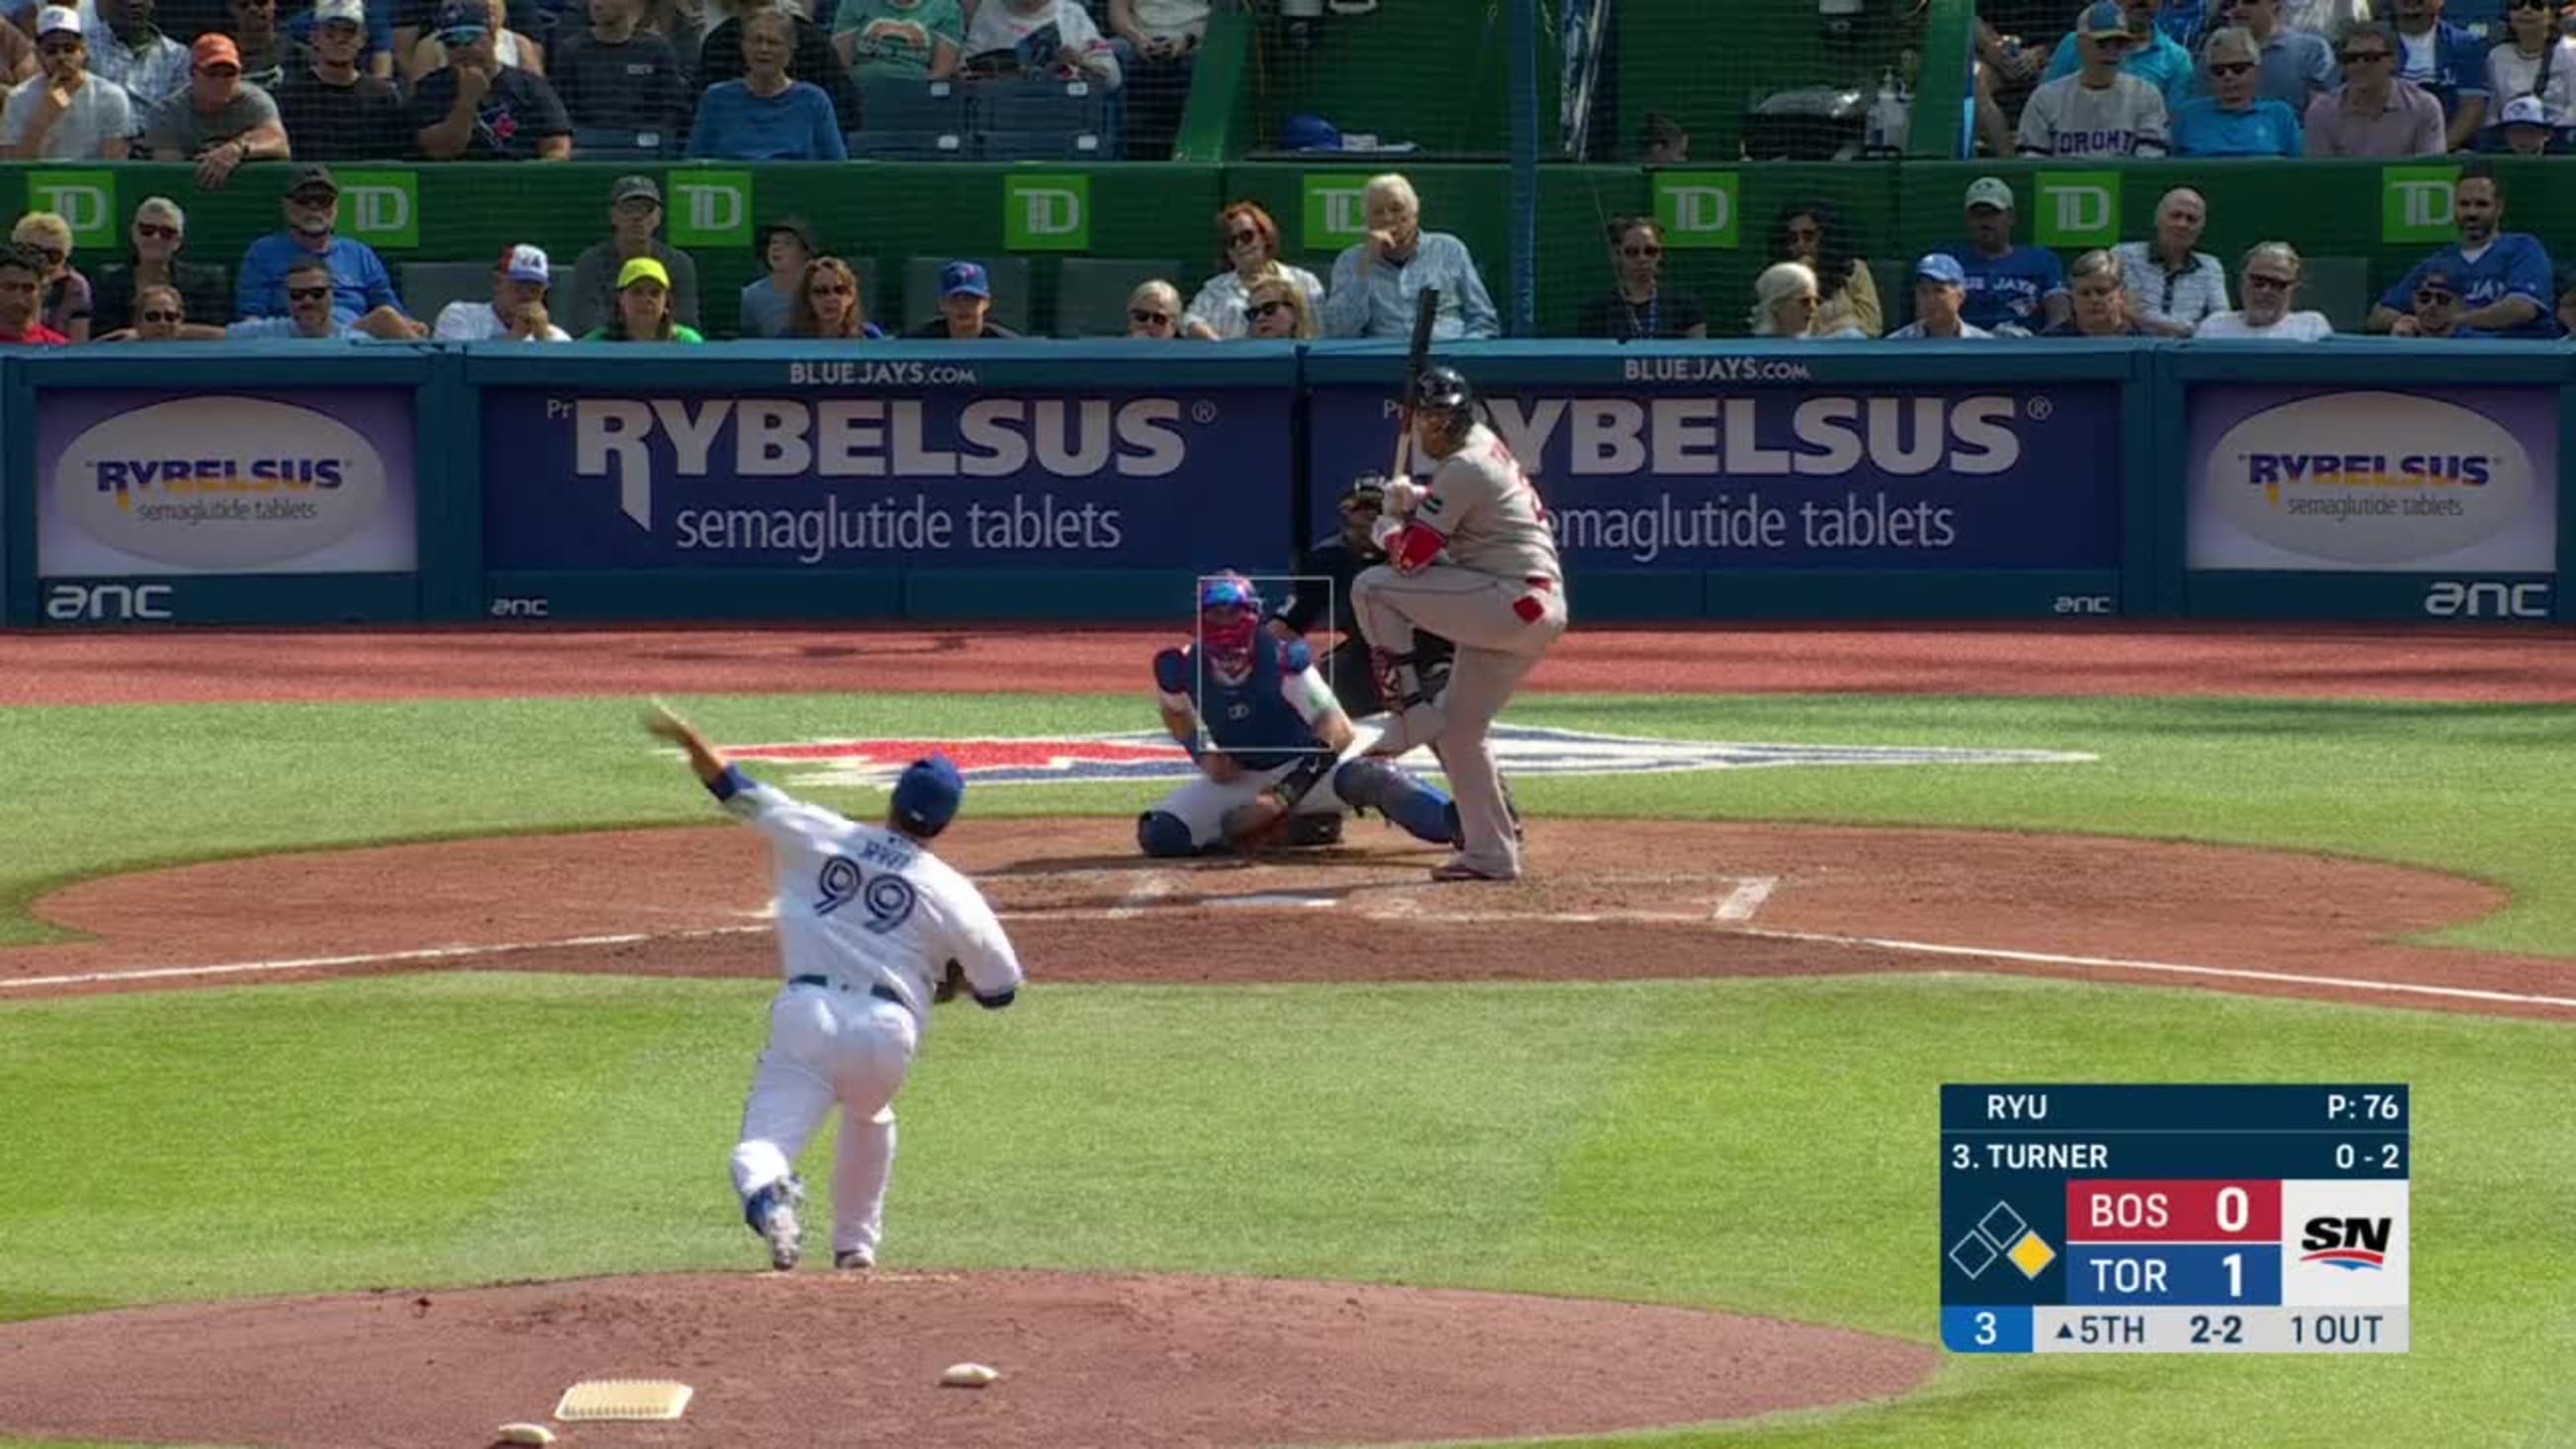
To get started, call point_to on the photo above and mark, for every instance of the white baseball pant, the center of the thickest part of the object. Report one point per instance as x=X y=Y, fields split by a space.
x=827 y=1045
x=1201 y=804
x=1501 y=626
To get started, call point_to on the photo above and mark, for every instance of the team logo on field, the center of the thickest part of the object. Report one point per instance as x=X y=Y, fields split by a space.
x=1519 y=749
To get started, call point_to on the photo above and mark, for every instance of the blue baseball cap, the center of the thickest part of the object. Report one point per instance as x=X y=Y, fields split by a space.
x=1941 y=267
x=2103 y=17
x=462 y=21
x=964 y=278
x=928 y=794
x=1307 y=131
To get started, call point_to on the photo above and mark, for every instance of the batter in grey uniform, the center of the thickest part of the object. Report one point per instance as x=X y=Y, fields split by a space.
x=1469 y=557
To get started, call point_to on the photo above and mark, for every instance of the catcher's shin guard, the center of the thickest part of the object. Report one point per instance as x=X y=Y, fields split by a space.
x=1421 y=808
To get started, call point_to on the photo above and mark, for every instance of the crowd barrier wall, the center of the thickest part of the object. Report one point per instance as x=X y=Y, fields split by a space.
x=281 y=484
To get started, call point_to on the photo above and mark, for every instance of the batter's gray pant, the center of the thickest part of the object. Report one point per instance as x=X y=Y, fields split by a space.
x=1501 y=626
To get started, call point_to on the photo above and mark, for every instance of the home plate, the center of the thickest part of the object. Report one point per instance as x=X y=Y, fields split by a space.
x=1270 y=898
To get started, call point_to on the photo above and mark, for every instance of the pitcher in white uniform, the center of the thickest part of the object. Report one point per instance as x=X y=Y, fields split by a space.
x=1469 y=557
x=872 y=929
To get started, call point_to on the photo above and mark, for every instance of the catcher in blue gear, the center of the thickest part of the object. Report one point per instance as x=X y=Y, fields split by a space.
x=1278 y=760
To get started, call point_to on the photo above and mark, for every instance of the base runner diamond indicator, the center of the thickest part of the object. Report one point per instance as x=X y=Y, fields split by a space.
x=2032 y=1255
x=2176 y=1219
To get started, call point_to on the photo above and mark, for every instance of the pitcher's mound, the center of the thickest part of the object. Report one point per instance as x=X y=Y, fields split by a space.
x=816 y=1358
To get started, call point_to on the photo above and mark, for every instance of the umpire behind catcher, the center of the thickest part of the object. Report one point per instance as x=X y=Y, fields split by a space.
x=1339 y=558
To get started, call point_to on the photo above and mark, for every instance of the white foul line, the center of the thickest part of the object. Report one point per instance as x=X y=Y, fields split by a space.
x=373 y=958
x=2121 y=963
x=1747 y=897
x=1395 y=908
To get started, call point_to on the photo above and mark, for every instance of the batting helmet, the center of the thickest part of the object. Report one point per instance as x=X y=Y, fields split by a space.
x=1444 y=399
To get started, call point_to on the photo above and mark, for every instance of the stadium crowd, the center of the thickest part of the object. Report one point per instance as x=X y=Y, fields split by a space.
x=230 y=83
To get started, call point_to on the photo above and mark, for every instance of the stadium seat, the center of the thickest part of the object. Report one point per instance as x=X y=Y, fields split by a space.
x=909 y=146
x=893 y=104
x=1049 y=117
x=614 y=143
x=870 y=305
x=1011 y=301
x=429 y=286
x=2338 y=287
x=1894 y=277
x=1040 y=146
x=1091 y=292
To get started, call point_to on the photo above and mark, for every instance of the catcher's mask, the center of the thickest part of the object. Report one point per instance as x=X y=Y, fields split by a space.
x=1362 y=502
x=1229 y=622
x=1444 y=408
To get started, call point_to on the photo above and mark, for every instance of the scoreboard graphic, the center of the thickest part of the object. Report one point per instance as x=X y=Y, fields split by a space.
x=2174 y=1219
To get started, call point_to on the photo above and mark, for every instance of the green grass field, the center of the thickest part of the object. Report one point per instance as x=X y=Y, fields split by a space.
x=1759 y=1146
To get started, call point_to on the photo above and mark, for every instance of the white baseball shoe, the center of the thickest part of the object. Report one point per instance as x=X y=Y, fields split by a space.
x=1456 y=868
x=854 y=1260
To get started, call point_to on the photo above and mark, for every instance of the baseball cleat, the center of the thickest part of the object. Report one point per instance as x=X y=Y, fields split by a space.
x=854 y=1260
x=772 y=1214
x=1456 y=868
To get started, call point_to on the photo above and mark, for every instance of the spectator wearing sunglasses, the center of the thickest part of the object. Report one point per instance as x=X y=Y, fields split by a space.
x=1639 y=308
x=66 y=303
x=159 y=313
x=2374 y=113
x=1247 y=244
x=1279 y=312
x=2291 y=66
x=2154 y=57
x=311 y=295
x=63 y=113
x=828 y=305
x=1812 y=232
x=2439 y=311
x=2535 y=60
x=2101 y=110
x=2503 y=277
x=1154 y=311
x=158 y=232
x=2233 y=120
x=2448 y=61
x=2269 y=283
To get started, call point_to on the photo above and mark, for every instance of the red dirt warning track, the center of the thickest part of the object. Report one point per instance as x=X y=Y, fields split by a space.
x=2519 y=664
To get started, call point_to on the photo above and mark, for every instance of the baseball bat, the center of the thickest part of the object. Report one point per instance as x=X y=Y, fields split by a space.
x=1426 y=310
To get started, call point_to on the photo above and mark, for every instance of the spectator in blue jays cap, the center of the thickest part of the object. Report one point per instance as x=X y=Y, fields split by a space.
x=1940 y=286
x=965 y=306
x=927 y=796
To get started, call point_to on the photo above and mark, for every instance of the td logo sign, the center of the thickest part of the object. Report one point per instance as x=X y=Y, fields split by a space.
x=2415 y=203
x=1047 y=213
x=1336 y=215
x=710 y=208
x=85 y=200
x=2078 y=208
x=1700 y=208
x=380 y=208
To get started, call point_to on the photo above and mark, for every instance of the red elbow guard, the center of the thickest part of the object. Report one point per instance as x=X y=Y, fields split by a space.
x=1414 y=547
